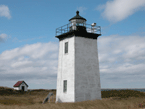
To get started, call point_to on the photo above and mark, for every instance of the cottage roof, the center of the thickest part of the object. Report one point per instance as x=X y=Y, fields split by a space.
x=19 y=83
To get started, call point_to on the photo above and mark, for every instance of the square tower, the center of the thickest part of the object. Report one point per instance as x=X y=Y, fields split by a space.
x=78 y=77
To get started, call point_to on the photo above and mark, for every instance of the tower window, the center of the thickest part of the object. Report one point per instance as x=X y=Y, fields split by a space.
x=64 y=85
x=66 y=47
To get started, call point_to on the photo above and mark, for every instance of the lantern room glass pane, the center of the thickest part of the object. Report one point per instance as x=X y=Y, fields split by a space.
x=78 y=22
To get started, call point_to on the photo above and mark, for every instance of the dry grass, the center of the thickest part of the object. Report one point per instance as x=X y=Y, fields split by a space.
x=128 y=99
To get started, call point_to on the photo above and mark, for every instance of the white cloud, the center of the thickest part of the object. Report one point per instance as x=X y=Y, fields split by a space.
x=4 y=11
x=30 y=62
x=100 y=7
x=117 y=10
x=122 y=61
x=81 y=9
x=3 y=37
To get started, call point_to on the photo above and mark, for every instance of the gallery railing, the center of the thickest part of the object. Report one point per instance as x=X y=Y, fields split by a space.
x=68 y=27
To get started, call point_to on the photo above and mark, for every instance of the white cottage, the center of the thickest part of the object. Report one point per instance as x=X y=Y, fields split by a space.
x=21 y=85
x=78 y=77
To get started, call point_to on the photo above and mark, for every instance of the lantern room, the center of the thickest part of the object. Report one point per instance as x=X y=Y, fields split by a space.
x=77 y=20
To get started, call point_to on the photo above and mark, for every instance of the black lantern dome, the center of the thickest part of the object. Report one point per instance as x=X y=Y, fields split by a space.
x=77 y=17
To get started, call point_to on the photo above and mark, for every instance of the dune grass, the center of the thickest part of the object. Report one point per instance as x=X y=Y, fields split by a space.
x=123 y=99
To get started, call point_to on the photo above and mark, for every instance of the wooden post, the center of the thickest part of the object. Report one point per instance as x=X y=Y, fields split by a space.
x=49 y=99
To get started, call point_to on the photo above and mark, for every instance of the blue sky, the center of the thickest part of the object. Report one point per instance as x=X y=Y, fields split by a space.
x=29 y=49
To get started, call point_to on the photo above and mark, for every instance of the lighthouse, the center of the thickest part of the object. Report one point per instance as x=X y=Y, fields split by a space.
x=78 y=77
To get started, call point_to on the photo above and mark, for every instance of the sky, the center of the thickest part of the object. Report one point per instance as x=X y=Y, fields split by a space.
x=29 y=48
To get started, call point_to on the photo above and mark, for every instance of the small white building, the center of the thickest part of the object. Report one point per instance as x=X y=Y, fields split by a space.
x=21 y=85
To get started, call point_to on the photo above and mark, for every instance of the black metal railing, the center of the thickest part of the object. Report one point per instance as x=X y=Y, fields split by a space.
x=68 y=27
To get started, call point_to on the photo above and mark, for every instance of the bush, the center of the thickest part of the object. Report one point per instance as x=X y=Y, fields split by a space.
x=122 y=93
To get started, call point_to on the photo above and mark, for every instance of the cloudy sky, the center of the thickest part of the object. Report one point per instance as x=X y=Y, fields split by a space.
x=29 y=49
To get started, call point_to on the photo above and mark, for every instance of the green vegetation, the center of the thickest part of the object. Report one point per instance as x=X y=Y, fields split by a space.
x=122 y=93
x=114 y=99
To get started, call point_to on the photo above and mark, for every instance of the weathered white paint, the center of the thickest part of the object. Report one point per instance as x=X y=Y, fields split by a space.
x=66 y=71
x=87 y=76
x=80 y=67
x=20 y=87
x=16 y=88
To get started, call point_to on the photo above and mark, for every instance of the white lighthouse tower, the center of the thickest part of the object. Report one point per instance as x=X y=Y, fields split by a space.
x=78 y=77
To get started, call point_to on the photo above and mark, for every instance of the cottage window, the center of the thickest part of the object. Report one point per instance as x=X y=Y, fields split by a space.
x=66 y=47
x=64 y=85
